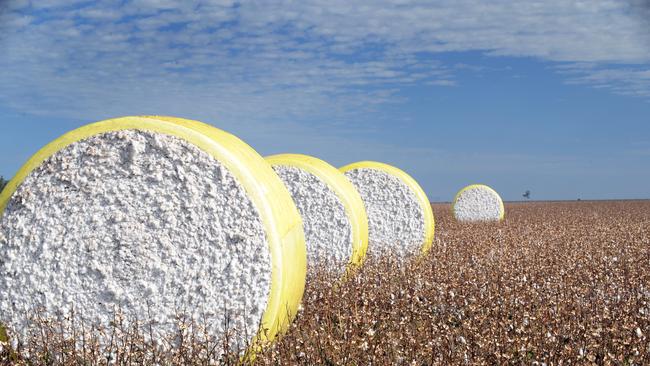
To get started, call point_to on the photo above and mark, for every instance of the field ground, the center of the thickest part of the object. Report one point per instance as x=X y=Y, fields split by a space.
x=555 y=283
x=558 y=283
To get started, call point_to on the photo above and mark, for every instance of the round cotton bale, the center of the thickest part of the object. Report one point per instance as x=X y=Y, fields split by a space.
x=478 y=202
x=158 y=217
x=333 y=215
x=400 y=218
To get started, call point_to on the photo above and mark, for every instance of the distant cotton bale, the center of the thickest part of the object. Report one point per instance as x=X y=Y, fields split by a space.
x=334 y=218
x=477 y=203
x=400 y=218
x=158 y=217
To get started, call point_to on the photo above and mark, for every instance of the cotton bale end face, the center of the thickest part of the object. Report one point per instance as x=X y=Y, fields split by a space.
x=400 y=218
x=334 y=217
x=478 y=203
x=151 y=215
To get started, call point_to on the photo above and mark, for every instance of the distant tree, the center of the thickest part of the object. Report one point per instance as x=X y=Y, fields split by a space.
x=3 y=183
x=526 y=195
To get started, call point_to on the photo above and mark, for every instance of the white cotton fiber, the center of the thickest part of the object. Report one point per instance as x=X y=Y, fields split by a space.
x=396 y=222
x=328 y=231
x=142 y=221
x=478 y=203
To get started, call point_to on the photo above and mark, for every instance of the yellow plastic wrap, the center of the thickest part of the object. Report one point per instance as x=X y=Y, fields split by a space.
x=278 y=213
x=429 y=221
x=482 y=186
x=345 y=191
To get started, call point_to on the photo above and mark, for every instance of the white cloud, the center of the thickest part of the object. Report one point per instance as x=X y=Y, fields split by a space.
x=624 y=80
x=557 y=30
x=282 y=60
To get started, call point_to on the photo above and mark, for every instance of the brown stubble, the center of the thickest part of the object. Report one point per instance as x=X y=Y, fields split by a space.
x=561 y=283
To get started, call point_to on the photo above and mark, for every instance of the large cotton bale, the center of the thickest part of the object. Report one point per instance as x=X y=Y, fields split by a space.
x=400 y=218
x=334 y=218
x=156 y=216
x=478 y=202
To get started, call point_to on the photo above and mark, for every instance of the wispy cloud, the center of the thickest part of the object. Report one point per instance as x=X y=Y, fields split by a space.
x=626 y=80
x=282 y=60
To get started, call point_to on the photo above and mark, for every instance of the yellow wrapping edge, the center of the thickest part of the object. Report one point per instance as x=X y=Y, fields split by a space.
x=273 y=201
x=429 y=220
x=344 y=190
x=502 y=208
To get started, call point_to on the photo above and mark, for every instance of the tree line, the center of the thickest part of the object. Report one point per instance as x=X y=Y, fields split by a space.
x=3 y=183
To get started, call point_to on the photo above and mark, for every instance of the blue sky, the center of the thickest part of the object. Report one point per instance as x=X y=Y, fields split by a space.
x=551 y=96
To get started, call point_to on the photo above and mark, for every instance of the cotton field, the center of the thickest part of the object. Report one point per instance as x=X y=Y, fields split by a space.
x=164 y=241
